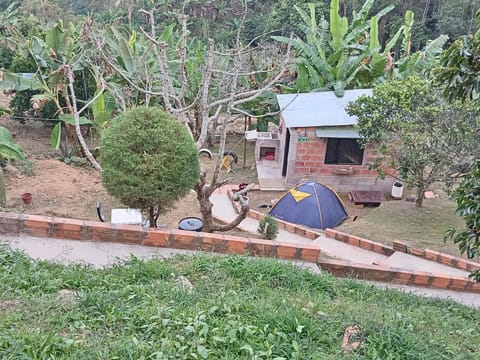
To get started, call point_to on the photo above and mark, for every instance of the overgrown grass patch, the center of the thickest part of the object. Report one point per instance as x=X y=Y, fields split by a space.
x=238 y=308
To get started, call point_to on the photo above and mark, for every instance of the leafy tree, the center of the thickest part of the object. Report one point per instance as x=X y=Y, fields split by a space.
x=149 y=160
x=416 y=131
x=458 y=72
x=459 y=67
x=467 y=197
x=456 y=18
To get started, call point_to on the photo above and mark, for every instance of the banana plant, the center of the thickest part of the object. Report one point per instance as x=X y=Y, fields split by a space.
x=337 y=55
x=8 y=149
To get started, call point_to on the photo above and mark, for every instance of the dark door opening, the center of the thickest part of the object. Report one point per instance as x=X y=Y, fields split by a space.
x=285 y=153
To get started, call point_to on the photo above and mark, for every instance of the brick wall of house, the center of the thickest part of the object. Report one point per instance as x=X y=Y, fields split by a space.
x=310 y=158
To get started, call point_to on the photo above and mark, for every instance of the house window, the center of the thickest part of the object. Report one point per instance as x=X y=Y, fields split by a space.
x=343 y=152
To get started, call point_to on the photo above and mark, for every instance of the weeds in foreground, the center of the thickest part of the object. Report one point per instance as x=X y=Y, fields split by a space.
x=238 y=308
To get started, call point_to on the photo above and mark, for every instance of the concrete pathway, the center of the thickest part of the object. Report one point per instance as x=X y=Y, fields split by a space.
x=98 y=254
x=223 y=210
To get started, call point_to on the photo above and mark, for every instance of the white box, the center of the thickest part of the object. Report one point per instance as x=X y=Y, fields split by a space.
x=126 y=216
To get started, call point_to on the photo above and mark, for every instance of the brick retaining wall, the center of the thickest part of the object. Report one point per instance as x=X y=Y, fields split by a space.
x=397 y=276
x=401 y=246
x=44 y=226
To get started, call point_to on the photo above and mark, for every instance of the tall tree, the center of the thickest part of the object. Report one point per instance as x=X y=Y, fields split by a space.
x=458 y=73
x=416 y=131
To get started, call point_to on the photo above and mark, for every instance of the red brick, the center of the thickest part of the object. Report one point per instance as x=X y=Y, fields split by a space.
x=312 y=235
x=416 y=252
x=458 y=284
x=286 y=251
x=440 y=282
x=37 y=225
x=302 y=170
x=354 y=241
x=236 y=244
x=341 y=237
x=156 y=238
x=212 y=242
x=462 y=264
x=309 y=253
x=377 y=274
x=255 y=214
x=330 y=233
x=260 y=247
x=10 y=223
x=421 y=278
x=448 y=260
x=473 y=286
x=472 y=266
x=289 y=227
x=67 y=228
x=378 y=248
x=400 y=246
x=300 y=231
x=182 y=239
x=128 y=234
x=365 y=244
x=404 y=278
x=431 y=254
x=98 y=231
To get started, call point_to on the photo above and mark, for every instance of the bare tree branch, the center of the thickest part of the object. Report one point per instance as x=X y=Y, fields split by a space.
x=76 y=115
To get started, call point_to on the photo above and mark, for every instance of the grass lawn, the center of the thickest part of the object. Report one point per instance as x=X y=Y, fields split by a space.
x=238 y=308
x=401 y=220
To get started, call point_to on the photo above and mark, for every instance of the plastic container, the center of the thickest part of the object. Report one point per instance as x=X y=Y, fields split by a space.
x=397 y=190
x=191 y=224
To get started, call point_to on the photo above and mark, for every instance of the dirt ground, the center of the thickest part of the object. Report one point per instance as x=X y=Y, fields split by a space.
x=73 y=191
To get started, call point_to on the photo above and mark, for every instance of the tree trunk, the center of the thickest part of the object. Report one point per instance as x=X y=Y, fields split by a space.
x=419 y=196
x=204 y=192
x=151 y=216
x=3 y=196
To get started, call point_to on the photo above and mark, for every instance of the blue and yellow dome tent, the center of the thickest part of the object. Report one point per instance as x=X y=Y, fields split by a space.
x=312 y=204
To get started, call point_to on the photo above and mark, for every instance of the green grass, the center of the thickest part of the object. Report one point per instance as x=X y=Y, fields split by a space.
x=239 y=308
x=400 y=220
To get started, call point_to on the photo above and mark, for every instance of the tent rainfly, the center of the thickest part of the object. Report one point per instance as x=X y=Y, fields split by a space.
x=312 y=204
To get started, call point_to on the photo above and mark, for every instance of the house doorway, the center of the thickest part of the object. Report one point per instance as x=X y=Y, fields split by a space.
x=285 y=154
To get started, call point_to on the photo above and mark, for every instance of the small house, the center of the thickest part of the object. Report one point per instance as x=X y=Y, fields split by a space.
x=316 y=139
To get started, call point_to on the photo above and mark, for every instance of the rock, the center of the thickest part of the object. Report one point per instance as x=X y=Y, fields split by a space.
x=183 y=283
x=430 y=195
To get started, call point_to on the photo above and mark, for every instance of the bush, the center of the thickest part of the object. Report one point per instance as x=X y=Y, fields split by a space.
x=268 y=228
x=148 y=158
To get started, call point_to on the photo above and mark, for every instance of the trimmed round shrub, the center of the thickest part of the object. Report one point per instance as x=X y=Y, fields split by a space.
x=148 y=159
